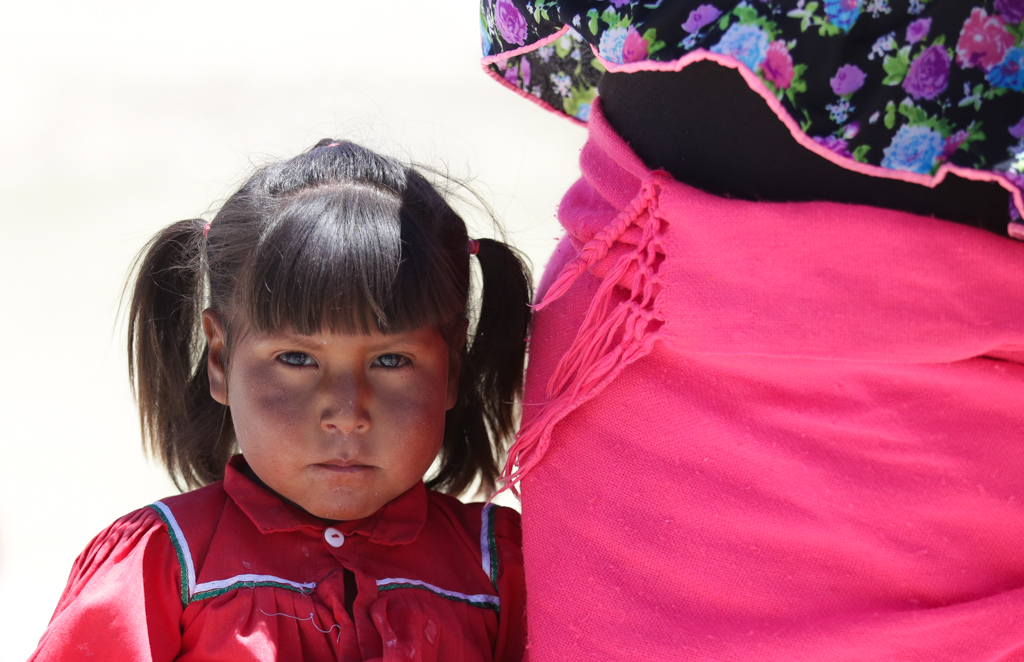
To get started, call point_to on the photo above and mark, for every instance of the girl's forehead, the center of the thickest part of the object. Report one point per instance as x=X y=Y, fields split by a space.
x=426 y=335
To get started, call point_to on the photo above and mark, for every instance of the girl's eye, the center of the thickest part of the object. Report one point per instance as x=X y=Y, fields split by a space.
x=391 y=361
x=297 y=359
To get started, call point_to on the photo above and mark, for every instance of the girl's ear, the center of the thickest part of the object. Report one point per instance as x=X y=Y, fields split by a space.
x=455 y=364
x=216 y=356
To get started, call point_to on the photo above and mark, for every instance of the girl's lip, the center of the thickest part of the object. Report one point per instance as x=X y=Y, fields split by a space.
x=343 y=465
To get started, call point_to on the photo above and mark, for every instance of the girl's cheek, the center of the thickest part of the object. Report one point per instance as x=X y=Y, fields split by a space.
x=271 y=400
x=420 y=399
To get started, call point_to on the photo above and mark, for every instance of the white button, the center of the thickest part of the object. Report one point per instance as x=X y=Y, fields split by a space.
x=334 y=537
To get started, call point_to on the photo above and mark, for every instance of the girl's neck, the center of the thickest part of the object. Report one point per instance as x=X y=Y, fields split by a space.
x=708 y=129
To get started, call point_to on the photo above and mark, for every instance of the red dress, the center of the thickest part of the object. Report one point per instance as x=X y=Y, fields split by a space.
x=232 y=572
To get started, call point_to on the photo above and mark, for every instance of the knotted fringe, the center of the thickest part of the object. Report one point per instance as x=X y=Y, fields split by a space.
x=612 y=335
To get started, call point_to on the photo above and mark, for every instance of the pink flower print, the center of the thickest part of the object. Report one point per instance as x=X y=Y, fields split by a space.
x=524 y=69
x=634 y=47
x=1012 y=11
x=510 y=21
x=953 y=143
x=848 y=79
x=1017 y=131
x=929 y=73
x=701 y=16
x=918 y=30
x=778 y=65
x=983 y=41
x=512 y=75
x=833 y=144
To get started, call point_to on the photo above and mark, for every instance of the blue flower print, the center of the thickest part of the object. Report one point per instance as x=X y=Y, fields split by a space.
x=485 y=39
x=914 y=149
x=583 y=114
x=842 y=13
x=1010 y=72
x=746 y=43
x=610 y=46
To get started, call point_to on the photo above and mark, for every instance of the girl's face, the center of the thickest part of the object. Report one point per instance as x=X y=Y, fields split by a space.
x=337 y=424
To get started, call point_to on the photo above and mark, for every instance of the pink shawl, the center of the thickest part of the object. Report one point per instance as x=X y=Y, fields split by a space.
x=771 y=432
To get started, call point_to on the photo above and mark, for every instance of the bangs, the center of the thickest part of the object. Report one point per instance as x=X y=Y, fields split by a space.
x=348 y=259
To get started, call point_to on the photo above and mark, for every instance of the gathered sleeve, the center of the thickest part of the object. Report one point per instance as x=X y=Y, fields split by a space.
x=511 y=585
x=123 y=599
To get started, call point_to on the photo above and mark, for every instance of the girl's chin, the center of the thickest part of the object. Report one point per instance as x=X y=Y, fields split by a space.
x=356 y=507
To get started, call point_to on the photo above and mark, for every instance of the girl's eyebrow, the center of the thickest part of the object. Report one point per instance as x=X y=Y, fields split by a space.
x=292 y=339
x=376 y=342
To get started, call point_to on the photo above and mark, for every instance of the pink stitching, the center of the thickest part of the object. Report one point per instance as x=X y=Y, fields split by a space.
x=755 y=84
x=529 y=97
x=776 y=106
x=528 y=48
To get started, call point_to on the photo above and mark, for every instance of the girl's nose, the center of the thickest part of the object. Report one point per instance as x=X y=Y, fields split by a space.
x=346 y=410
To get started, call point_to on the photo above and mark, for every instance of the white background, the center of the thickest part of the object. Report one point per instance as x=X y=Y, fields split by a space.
x=117 y=118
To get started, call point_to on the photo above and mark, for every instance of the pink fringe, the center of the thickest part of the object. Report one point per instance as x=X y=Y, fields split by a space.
x=612 y=335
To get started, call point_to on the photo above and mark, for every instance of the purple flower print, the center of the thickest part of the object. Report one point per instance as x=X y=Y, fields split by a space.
x=833 y=144
x=1012 y=11
x=929 y=73
x=746 y=43
x=918 y=30
x=914 y=149
x=983 y=41
x=847 y=80
x=1017 y=130
x=634 y=47
x=1010 y=72
x=1017 y=179
x=842 y=13
x=524 y=69
x=851 y=130
x=777 y=67
x=512 y=75
x=620 y=3
x=701 y=16
x=510 y=21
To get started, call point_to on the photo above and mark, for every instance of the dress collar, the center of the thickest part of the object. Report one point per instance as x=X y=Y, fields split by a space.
x=397 y=523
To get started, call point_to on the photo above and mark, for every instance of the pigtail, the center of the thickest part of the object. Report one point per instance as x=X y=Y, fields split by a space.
x=479 y=427
x=182 y=425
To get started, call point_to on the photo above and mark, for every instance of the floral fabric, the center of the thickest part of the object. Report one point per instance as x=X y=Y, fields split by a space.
x=896 y=88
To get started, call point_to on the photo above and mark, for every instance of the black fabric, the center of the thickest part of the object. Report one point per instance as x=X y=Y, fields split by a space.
x=708 y=129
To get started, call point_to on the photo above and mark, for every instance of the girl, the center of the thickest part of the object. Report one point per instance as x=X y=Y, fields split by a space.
x=318 y=325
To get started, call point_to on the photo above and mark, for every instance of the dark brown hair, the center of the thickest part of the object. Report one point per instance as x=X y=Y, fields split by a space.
x=337 y=239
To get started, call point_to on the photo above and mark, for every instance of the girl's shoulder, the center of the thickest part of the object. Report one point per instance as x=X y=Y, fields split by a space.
x=146 y=532
x=128 y=575
x=480 y=519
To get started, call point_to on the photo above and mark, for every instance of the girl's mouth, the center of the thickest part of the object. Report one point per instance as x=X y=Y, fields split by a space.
x=341 y=466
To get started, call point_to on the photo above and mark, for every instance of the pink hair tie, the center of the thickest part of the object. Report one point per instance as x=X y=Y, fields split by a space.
x=474 y=246
x=332 y=145
x=206 y=230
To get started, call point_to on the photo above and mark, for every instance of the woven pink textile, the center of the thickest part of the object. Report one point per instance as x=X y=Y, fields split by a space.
x=771 y=432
